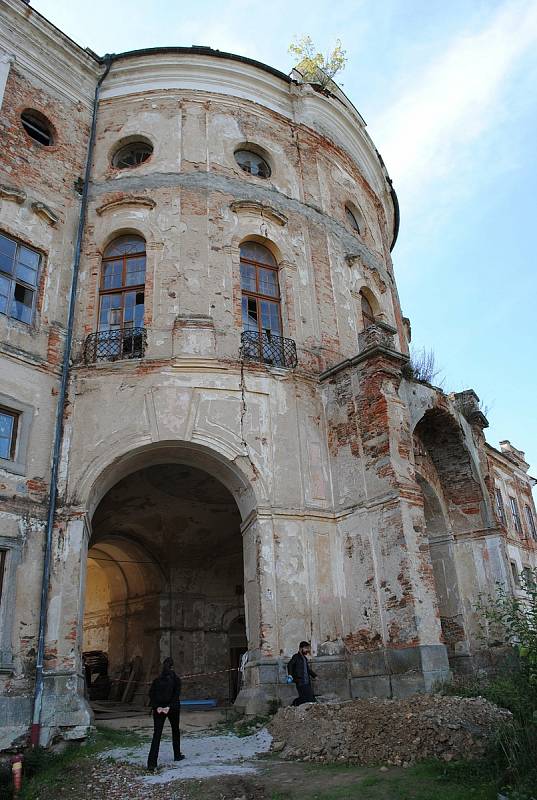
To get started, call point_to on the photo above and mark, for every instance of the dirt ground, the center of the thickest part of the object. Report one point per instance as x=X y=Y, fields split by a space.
x=276 y=780
x=224 y=762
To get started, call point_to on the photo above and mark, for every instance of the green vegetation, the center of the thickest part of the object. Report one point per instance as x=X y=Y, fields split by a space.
x=315 y=67
x=512 y=621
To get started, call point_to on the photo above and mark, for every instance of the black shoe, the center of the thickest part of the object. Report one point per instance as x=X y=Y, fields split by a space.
x=179 y=757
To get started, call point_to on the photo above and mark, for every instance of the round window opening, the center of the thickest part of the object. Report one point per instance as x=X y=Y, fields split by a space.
x=132 y=154
x=252 y=163
x=351 y=219
x=37 y=127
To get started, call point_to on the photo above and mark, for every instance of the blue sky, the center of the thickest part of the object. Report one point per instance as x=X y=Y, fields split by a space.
x=448 y=91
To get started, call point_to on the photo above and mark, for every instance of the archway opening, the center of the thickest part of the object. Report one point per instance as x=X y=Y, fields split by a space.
x=165 y=577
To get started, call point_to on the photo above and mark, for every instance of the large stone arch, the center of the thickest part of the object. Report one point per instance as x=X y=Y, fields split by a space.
x=140 y=582
x=232 y=468
x=439 y=441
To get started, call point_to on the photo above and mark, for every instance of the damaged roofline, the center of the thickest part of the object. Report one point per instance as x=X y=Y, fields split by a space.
x=201 y=50
x=209 y=51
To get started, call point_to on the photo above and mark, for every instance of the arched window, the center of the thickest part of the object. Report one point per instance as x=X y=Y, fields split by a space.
x=260 y=290
x=122 y=284
x=368 y=316
x=261 y=314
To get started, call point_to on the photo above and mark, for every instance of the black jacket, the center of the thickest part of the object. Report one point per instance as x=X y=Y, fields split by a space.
x=295 y=669
x=166 y=691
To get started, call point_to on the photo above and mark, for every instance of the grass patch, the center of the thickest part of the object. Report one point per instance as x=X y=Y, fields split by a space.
x=421 y=782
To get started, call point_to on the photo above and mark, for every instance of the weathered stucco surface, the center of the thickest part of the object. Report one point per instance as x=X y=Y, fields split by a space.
x=210 y=505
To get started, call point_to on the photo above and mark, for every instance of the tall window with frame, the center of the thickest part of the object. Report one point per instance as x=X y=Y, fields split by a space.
x=122 y=295
x=9 y=422
x=261 y=309
x=515 y=514
x=499 y=505
x=531 y=521
x=19 y=274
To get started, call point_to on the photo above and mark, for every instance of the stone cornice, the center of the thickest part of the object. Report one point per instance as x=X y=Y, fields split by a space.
x=12 y=193
x=113 y=205
x=258 y=209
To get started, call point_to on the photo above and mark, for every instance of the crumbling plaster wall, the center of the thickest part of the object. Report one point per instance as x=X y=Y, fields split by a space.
x=39 y=206
x=477 y=547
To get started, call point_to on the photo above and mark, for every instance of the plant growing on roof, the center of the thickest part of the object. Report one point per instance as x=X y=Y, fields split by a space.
x=315 y=67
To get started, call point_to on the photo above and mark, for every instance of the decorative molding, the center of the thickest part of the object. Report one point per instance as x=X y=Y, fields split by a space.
x=12 y=193
x=111 y=205
x=46 y=213
x=255 y=207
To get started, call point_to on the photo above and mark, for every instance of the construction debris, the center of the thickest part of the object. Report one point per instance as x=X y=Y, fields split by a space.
x=395 y=732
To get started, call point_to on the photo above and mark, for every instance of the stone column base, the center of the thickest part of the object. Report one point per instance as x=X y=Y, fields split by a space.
x=66 y=714
x=382 y=673
x=398 y=673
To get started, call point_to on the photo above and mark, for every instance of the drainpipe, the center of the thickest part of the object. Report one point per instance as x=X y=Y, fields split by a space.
x=35 y=730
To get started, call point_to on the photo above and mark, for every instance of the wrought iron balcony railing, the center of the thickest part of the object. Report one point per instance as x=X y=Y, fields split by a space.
x=268 y=349
x=115 y=345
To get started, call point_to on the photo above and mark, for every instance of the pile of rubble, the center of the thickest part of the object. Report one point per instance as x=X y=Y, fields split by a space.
x=396 y=732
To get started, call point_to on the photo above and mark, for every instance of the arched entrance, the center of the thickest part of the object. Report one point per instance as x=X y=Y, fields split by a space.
x=165 y=575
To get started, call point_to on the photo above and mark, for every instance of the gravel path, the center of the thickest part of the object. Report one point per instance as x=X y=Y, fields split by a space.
x=206 y=757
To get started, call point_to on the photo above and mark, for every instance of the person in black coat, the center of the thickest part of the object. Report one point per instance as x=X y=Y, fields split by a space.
x=302 y=675
x=164 y=699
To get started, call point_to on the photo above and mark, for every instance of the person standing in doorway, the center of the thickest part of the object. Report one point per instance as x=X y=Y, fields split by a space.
x=164 y=699
x=302 y=675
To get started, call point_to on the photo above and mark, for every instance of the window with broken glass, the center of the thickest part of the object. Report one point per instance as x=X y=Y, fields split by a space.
x=19 y=273
x=8 y=433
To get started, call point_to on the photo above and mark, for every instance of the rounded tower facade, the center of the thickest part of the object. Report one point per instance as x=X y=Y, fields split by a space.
x=246 y=460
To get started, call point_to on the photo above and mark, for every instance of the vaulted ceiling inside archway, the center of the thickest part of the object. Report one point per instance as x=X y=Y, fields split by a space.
x=181 y=515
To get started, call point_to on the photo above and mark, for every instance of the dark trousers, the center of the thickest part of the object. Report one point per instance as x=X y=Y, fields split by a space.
x=158 y=725
x=305 y=694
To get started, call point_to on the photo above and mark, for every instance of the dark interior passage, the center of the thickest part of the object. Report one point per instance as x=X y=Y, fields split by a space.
x=165 y=576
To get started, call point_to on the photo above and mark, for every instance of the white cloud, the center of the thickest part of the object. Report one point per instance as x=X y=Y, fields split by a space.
x=429 y=133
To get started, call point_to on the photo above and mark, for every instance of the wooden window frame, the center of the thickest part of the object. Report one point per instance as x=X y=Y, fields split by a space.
x=258 y=296
x=124 y=288
x=10 y=412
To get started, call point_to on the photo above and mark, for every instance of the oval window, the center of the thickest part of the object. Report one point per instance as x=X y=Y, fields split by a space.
x=132 y=154
x=252 y=163
x=37 y=127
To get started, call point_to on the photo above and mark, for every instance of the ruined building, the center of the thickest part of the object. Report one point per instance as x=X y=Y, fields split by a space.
x=244 y=459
